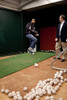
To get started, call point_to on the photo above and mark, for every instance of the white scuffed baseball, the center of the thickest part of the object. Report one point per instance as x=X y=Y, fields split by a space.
x=54 y=91
x=15 y=97
x=44 y=92
x=47 y=98
x=55 y=82
x=40 y=93
x=65 y=71
x=61 y=78
x=38 y=97
x=60 y=99
x=51 y=82
x=6 y=91
x=13 y=93
x=57 y=88
x=36 y=65
x=2 y=90
x=51 y=97
x=32 y=90
x=59 y=84
x=37 y=93
x=20 y=98
x=18 y=95
x=65 y=80
x=10 y=95
x=7 y=99
x=49 y=93
x=61 y=72
x=33 y=96
x=17 y=92
x=29 y=98
x=61 y=81
x=48 y=79
x=25 y=97
x=25 y=89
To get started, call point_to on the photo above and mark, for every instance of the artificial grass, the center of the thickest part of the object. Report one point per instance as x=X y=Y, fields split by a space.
x=21 y=61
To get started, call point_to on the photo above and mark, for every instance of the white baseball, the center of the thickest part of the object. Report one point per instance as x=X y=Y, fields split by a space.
x=61 y=72
x=15 y=97
x=51 y=97
x=47 y=98
x=55 y=82
x=20 y=98
x=7 y=99
x=25 y=89
x=40 y=93
x=29 y=98
x=32 y=89
x=65 y=80
x=13 y=93
x=36 y=65
x=54 y=92
x=65 y=71
x=17 y=92
x=2 y=90
x=49 y=93
x=44 y=92
x=61 y=78
x=59 y=84
x=18 y=95
x=61 y=81
x=56 y=39
x=25 y=97
x=38 y=97
x=10 y=95
x=60 y=98
x=7 y=91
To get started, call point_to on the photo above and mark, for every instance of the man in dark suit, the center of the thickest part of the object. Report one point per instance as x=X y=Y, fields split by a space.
x=61 y=37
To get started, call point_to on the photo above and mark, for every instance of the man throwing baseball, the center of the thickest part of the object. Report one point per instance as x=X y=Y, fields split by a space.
x=31 y=34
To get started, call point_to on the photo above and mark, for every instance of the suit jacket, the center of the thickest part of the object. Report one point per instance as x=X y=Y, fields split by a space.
x=63 y=32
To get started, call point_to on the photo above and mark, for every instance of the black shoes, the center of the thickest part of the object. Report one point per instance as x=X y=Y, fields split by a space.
x=57 y=58
x=62 y=60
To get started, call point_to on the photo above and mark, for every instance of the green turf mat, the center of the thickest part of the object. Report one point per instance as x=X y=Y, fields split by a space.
x=21 y=61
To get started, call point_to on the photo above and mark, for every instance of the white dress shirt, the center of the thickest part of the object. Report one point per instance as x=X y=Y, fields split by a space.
x=61 y=25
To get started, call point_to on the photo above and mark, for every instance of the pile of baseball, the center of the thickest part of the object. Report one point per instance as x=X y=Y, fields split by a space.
x=47 y=87
x=13 y=94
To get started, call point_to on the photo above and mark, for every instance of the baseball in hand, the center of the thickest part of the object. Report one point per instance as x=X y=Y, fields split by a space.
x=36 y=34
x=56 y=39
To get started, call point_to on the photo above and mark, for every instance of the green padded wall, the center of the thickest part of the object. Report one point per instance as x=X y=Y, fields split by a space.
x=10 y=31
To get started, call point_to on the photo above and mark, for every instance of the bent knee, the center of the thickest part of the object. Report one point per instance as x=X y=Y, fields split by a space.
x=35 y=40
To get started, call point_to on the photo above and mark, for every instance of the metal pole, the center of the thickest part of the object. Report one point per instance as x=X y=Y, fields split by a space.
x=56 y=59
